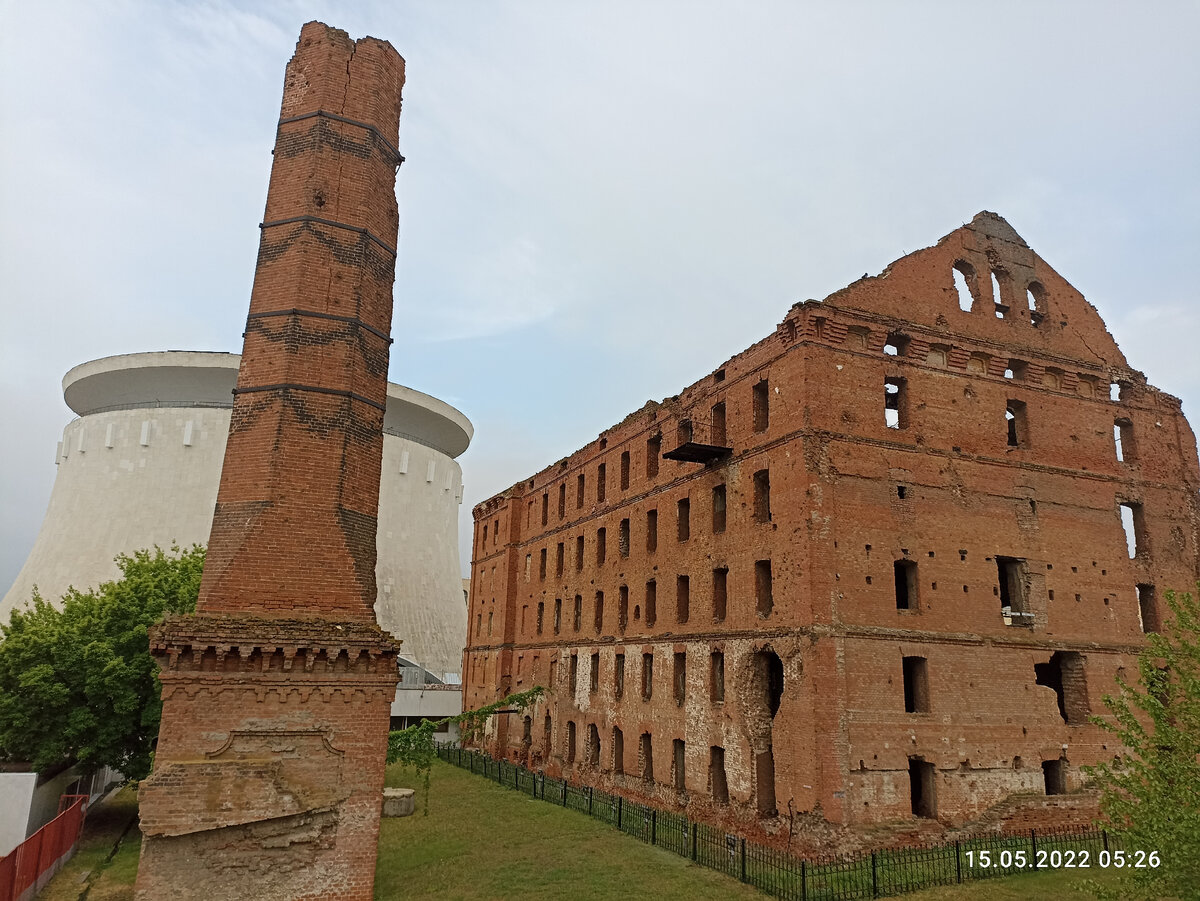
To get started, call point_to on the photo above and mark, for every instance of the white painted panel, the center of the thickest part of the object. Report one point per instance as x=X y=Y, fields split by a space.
x=108 y=435
x=430 y=471
x=145 y=439
x=187 y=434
x=403 y=462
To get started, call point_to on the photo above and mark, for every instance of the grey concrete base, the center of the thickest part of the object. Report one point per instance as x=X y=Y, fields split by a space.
x=398 y=802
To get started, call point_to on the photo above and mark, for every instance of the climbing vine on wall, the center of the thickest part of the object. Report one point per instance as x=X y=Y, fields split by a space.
x=414 y=747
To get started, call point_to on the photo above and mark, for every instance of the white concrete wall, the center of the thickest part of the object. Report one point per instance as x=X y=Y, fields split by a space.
x=135 y=477
x=16 y=796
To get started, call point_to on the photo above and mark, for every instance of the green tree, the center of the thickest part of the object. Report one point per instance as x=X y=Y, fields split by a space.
x=78 y=685
x=1151 y=794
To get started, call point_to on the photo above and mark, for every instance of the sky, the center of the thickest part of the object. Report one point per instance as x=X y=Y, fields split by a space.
x=602 y=201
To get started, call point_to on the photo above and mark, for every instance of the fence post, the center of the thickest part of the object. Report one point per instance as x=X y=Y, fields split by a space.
x=874 y=878
x=1033 y=842
x=591 y=790
x=694 y=836
x=804 y=880
x=1104 y=835
x=957 y=862
x=566 y=782
x=620 y=810
x=653 y=826
x=743 y=860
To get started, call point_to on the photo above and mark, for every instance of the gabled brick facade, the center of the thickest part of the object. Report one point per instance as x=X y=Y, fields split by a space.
x=891 y=584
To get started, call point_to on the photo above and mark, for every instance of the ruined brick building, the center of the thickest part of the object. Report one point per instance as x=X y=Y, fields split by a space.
x=879 y=566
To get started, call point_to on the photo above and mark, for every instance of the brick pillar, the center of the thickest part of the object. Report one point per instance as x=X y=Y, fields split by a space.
x=268 y=773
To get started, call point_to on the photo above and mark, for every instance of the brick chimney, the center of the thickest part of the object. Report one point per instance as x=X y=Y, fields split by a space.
x=268 y=773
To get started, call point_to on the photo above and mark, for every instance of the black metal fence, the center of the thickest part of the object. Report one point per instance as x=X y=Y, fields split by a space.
x=872 y=875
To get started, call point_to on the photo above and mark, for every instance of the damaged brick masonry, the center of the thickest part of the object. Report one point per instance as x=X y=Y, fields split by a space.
x=878 y=567
x=268 y=774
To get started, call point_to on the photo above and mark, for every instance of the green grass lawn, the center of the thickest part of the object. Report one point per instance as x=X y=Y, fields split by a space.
x=110 y=879
x=483 y=841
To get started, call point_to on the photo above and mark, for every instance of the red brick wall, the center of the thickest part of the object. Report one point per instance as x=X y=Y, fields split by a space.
x=841 y=740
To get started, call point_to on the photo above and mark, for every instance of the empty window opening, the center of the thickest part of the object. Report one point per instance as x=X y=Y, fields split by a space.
x=579 y=488
x=762 y=496
x=1148 y=608
x=619 y=676
x=560 y=556
x=1013 y=597
x=528 y=565
x=760 y=403
x=1114 y=390
x=905 y=577
x=683 y=431
x=964 y=276
x=1123 y=438
x=1055 y=774
x=1065 y=674
x=922 y=788
x=601 y=545
x=484 y=542
x=599 y=612
x=770 y=670
x=1133 y=522
x=594 y=679
x=557 y=615
x=720 y=592
x=719 y=375
x=895 y=403
x=763 y=590
x=579 y=553
x=623 y=538
x=553 y=673
x=490 y=615
x=683 y=515
x=478 y=624
x=998 y=296
x=716 y=775
x=547 y=735
x=545 y=508
x=570 y=742
x=683 y=598
x=541 y=616
x=577 y=619
x=562 y=500
x=651 y=531
x=896 y=345
x=764 y=782
x=618 y=750
x=624 y=470
x=718 y=425
x=573 y=673
x=542 y=565
x=716 y=673
x=646 y=755
x=902 y=492
x=527 y=731
x=679 y=677
x=622 y=608
x=678 y=773
x=647 y=676
x=916 y=685
x=718 y=509
x=1035 y=296
x=600 y=484
x=651 y=602
x=1014 y=415
x=653 y=453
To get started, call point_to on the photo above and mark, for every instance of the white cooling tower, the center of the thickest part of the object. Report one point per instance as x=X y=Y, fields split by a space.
x=141 y=466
